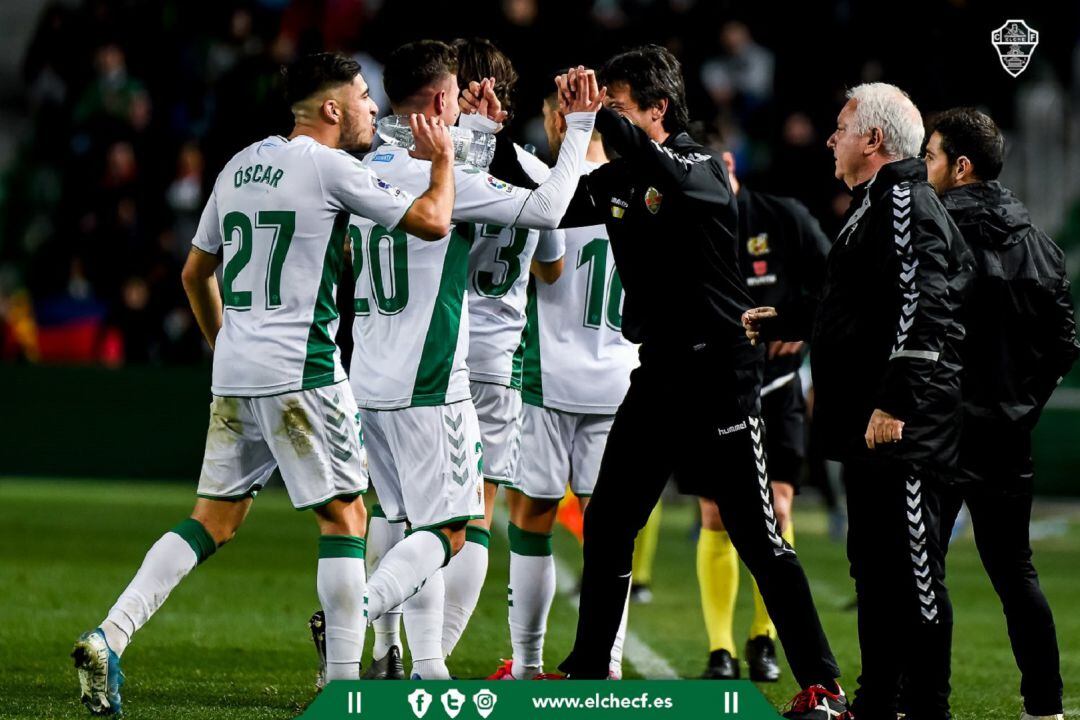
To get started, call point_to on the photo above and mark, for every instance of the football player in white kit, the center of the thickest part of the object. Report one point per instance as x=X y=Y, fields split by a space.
x=409 y=373
x=277 y=220
x=499 y=261
x=576 y=370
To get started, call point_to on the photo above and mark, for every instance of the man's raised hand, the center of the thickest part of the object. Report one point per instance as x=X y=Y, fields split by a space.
x=480 y=97
x=431 y=139
x=578 y=91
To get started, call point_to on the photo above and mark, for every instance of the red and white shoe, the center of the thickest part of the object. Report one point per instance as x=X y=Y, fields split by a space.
x=506 y=672
x=818 y=703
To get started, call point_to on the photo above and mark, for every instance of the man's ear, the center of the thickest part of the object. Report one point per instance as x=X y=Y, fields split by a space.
x=560 y=123
x=440 y=103
x=874 y=141
x=330 y=111
x=962 y=169
x=661 y=107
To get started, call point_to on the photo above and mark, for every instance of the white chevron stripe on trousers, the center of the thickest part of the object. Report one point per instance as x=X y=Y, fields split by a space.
x=917 y=539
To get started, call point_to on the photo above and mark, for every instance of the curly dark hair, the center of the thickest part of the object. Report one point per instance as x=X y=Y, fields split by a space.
x=653 y=74
x=479 y=58
x=416 y=65
x=316 y=72
x=969 y=132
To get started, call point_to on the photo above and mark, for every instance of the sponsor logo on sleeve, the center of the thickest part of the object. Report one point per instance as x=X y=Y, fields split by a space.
x=383 y=157
x=498 y=184
x=387 y=187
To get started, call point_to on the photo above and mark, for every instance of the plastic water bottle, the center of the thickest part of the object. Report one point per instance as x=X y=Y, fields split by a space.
x=470 y=146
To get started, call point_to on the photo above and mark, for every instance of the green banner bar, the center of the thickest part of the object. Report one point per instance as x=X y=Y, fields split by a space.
x=540 y=700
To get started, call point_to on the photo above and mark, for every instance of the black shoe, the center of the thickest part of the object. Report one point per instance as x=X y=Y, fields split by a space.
x=761 y=658
x=817 y=703
x=388 y=667
x=640 y=594
x=721 y=666
x=317 y=625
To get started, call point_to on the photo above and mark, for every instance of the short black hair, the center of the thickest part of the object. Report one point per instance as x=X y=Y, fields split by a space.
x=653 y=74
x=316 y=72
x=479 y=58
x=416 y=65
x=969 y=132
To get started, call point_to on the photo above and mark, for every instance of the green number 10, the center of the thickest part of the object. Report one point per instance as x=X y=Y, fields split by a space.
x=594 y=253
x=236 y=226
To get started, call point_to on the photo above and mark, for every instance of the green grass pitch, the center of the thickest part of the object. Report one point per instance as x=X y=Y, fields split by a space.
x=232 y=641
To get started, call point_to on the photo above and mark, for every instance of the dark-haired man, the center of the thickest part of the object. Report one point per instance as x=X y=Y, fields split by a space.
x=278 y=220
x=1021 y=339
x=694 y=400
x=782 y=254
x=409 y=373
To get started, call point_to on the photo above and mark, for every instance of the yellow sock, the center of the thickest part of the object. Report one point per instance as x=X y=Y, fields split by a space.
x=645 y=549
x=718 y=578
x=763 y=624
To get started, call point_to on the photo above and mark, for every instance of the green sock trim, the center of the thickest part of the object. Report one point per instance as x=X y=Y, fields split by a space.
x=377 y=511
x=341 y=546
x=524 y=542
x=195 y=535
x=478 y=535
x=445 y=544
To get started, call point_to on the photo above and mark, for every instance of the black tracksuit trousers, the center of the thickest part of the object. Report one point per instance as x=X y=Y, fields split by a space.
x=1000 y=515
x=898 y=563
x=675 y=421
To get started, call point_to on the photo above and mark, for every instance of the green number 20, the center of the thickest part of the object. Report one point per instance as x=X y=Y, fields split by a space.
x=236 y=226
x=594 y=254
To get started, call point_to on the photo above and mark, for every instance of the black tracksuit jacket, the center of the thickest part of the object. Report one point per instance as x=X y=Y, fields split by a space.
x=1021 y=334
x=673 y=223
x=886 y=332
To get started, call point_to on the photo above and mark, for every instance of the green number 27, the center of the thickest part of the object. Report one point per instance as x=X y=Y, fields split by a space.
x=236 y=227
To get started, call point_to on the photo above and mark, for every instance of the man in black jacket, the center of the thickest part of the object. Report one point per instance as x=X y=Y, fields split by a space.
x=693 y=405
x=886 y=362
x=782 y=253
x=1021 y=339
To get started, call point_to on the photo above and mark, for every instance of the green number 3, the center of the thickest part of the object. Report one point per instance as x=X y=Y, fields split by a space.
x=236 y=227
x=508 y=256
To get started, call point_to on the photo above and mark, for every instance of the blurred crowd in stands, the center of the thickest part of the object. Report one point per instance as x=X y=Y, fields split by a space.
x=135 y=105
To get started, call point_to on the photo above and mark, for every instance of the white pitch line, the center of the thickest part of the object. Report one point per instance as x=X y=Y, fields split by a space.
x=647 y=661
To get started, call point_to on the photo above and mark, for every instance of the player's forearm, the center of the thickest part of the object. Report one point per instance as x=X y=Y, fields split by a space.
x=429 y=217
x=547 y=204
x=205 y=299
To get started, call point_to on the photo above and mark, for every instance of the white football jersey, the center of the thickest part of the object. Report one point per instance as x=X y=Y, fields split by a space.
x=576 y=358
x=498 y=277
x=279 y=213
x=411 y=330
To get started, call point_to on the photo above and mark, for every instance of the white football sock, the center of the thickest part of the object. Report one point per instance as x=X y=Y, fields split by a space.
x=464 y=576
x=403 y=570
x=381 y=536
x=531 y=592
x=166 y=563
x=615 y=665
x=424 y=628
x=340 y=582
